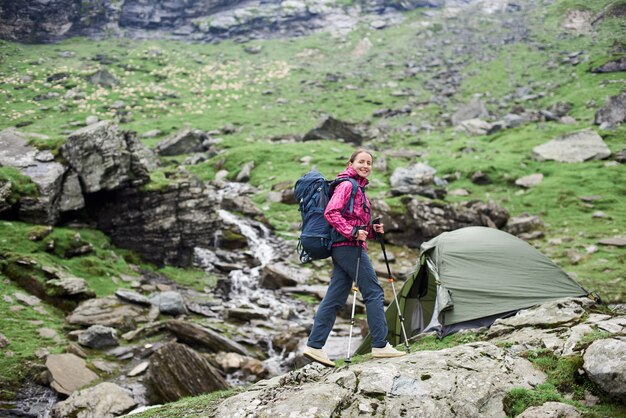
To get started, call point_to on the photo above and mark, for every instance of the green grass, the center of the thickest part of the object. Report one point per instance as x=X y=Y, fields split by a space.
x=20 y=328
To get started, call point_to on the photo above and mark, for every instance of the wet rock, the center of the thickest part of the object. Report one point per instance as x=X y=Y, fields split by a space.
x=576 y=147
x=605 y=366
x=186 y=141
x=105 y=400
x=68 y=372
x=98 y=336
x=333 y=128
x=177 y=371
x=613 y=112
x=169 y=303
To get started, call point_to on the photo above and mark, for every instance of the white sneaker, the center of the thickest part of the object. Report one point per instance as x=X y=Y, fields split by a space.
x=317 y=354
x=386 y=352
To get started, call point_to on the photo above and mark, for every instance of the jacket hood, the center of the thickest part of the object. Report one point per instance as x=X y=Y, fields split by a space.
x=350 y=172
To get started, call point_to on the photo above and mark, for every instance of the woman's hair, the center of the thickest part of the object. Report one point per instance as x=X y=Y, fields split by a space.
x=357 y=152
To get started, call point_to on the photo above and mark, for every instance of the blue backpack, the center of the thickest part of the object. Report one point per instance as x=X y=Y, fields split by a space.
x=313 y=191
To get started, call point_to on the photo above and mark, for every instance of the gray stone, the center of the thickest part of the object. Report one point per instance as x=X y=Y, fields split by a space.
x=108 y=311
x=101 y=156
x=469 y=380
x=551 y=410
x=4 y=341
x=169 y=303
x=132 y=296
x=98 y=336
x=474 y=110
x=333 y=128
x=186 y=141
x=47 y=175
x=576 y=147
x=605 y=366
x=176 y=371
x=105 y=400
x=71 y=195
x=530 y=180
x=68 y=372
x=613 y=112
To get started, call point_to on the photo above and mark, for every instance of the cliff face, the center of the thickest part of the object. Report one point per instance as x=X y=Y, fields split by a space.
x=43 y=21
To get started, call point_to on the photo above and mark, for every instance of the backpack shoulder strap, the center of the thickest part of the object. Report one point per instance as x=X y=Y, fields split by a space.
x=355 y=188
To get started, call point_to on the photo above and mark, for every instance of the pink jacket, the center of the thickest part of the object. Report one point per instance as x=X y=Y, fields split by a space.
x=346 y=222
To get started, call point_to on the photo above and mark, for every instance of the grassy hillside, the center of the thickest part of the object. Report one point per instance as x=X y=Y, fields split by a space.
x=291 y=83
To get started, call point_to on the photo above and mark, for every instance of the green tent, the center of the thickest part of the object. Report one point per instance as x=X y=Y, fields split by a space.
x=468 y=278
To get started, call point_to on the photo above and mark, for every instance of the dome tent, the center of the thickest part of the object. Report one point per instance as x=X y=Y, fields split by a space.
x=470 y=277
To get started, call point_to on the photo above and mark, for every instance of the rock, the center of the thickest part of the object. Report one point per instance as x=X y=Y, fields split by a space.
x=163 y=226
x=480 y=178
x=613 y=112
x=98 y=336
x=275 y=276
x=71 y=194
x=132 y=296
x=5 y=195
x=424 y=220
x=203 y=338
x=28 y=300
x=576 y=147
x=139 y=369
x=169 y=303
x=70 y=287
x=475 y=127
x=244 y=174
x=90 y=120
x=418 y=178
x=233 y=362
x=613 y=66
x=605 y=366
x=473 y=110
x=101 y=156
x=68 y=372
x=530 y=180
x=105 y=400
x=551 y=410
x=615 y=241
x=108 y=311
x=186 y=141
x=47 y=175
x=177 y=371
x=469 y=380
x=333 y=128
x=4 y=341
x=523 y=224
x=103 y=78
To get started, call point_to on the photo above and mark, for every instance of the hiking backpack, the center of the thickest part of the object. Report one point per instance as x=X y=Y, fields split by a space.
x=313 y=191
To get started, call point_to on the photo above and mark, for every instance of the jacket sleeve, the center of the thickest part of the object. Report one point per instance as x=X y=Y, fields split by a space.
x=339 y=200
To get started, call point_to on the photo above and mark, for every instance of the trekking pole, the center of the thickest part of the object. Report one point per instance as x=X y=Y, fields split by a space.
x=355 y=289
x=391 y=280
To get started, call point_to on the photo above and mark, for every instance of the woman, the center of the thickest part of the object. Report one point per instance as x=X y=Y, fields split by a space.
x=352 y=229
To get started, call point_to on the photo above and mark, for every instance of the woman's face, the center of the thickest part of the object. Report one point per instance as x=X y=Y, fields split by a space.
x=362 y=164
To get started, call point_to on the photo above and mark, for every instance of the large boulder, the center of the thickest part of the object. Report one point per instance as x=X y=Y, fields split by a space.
x=469 y=380
x=424 y=220
x=177 y=370
x=109 y=312
x=105 y=400
x=106 y=158
x=573 y=148
x=605 y=366
x=41 y=168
